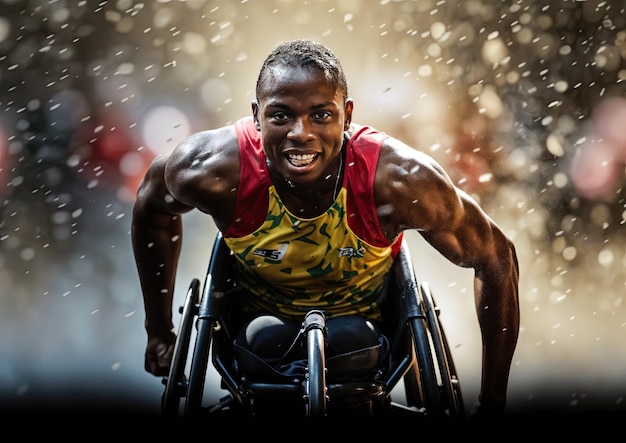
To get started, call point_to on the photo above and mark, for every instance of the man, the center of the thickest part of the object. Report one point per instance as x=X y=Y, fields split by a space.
x=294 y=184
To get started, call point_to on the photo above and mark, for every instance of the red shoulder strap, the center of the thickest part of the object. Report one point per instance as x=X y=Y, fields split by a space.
x=252 y=195
x=363 y=152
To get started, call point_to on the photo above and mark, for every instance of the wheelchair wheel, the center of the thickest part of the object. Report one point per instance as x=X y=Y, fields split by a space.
x=421 y=384
x=199 y=363
x=449 y=383
x=175 y=383
x=314 y=325
x=431 y=384
x=209 y=306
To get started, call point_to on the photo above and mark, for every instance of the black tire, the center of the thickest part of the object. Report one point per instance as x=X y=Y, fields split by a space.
x=424 y=372
x=450 y=388
x=208 y=311
x=420 y=380
x=199 y=365
x=431 y=383
x=315 y=394
x=175 y=382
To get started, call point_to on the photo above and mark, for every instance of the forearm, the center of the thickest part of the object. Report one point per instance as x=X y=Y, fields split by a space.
x=498 y=315
x=497 y=354
x=157 y=250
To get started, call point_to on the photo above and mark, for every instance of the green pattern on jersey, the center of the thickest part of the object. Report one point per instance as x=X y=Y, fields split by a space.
x=292 y=265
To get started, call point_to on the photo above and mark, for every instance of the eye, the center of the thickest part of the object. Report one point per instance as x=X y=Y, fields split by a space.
x=279 y=117
x=322 y=115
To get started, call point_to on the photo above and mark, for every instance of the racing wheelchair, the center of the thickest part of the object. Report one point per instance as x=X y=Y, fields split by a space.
x=419 y=368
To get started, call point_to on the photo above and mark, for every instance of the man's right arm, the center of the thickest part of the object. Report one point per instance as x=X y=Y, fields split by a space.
x=156 y=235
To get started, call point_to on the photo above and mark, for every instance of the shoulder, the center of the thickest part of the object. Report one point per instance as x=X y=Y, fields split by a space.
x=396 y=161
x=396 y=156
x=212 y=147
x=206 y=143
x=412 y=189
x=202 y=150
x=399 y=159
x=204 y=166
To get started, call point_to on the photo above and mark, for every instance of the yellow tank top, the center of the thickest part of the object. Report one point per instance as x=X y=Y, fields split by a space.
x=316 y=263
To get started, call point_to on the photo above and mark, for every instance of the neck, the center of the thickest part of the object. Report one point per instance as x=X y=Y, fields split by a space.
x=310 y=200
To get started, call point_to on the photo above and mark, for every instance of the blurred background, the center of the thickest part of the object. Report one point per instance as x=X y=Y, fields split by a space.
x=523 y=102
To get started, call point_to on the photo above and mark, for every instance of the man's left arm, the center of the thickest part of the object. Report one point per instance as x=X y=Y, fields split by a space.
x=473 y=240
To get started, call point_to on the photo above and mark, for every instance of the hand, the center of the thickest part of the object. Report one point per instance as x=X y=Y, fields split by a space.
x=159 y=353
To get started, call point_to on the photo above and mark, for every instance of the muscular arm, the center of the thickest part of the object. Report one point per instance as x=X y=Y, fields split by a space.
x=475 y=241
x=156 y=235
x=201 y=173
x=423 y=198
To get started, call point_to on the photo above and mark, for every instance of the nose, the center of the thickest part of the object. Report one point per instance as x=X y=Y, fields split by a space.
x=300 y=130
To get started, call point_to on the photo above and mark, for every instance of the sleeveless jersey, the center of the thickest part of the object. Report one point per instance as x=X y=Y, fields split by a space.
x=336 y=261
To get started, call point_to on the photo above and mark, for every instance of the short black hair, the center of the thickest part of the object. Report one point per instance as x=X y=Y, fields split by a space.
x=306 y=53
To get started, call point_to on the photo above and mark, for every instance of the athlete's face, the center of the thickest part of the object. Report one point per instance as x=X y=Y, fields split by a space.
x=302 y=118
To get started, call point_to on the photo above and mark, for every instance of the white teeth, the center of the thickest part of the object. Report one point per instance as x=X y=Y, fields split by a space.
x=301 y=159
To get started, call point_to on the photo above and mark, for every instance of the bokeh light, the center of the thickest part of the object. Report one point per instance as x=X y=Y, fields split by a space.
x=522 y=102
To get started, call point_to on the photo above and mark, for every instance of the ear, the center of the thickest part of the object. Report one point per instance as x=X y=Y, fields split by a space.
x=348 y=114
x=255 y=115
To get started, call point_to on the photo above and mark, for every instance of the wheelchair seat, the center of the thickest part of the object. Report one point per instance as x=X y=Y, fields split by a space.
x=417 y=358
x=360 y=363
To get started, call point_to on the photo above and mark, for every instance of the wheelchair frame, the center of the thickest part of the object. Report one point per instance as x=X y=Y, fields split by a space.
x=421 y=356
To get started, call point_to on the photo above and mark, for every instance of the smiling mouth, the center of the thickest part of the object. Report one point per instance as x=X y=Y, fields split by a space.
x=300 y=160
